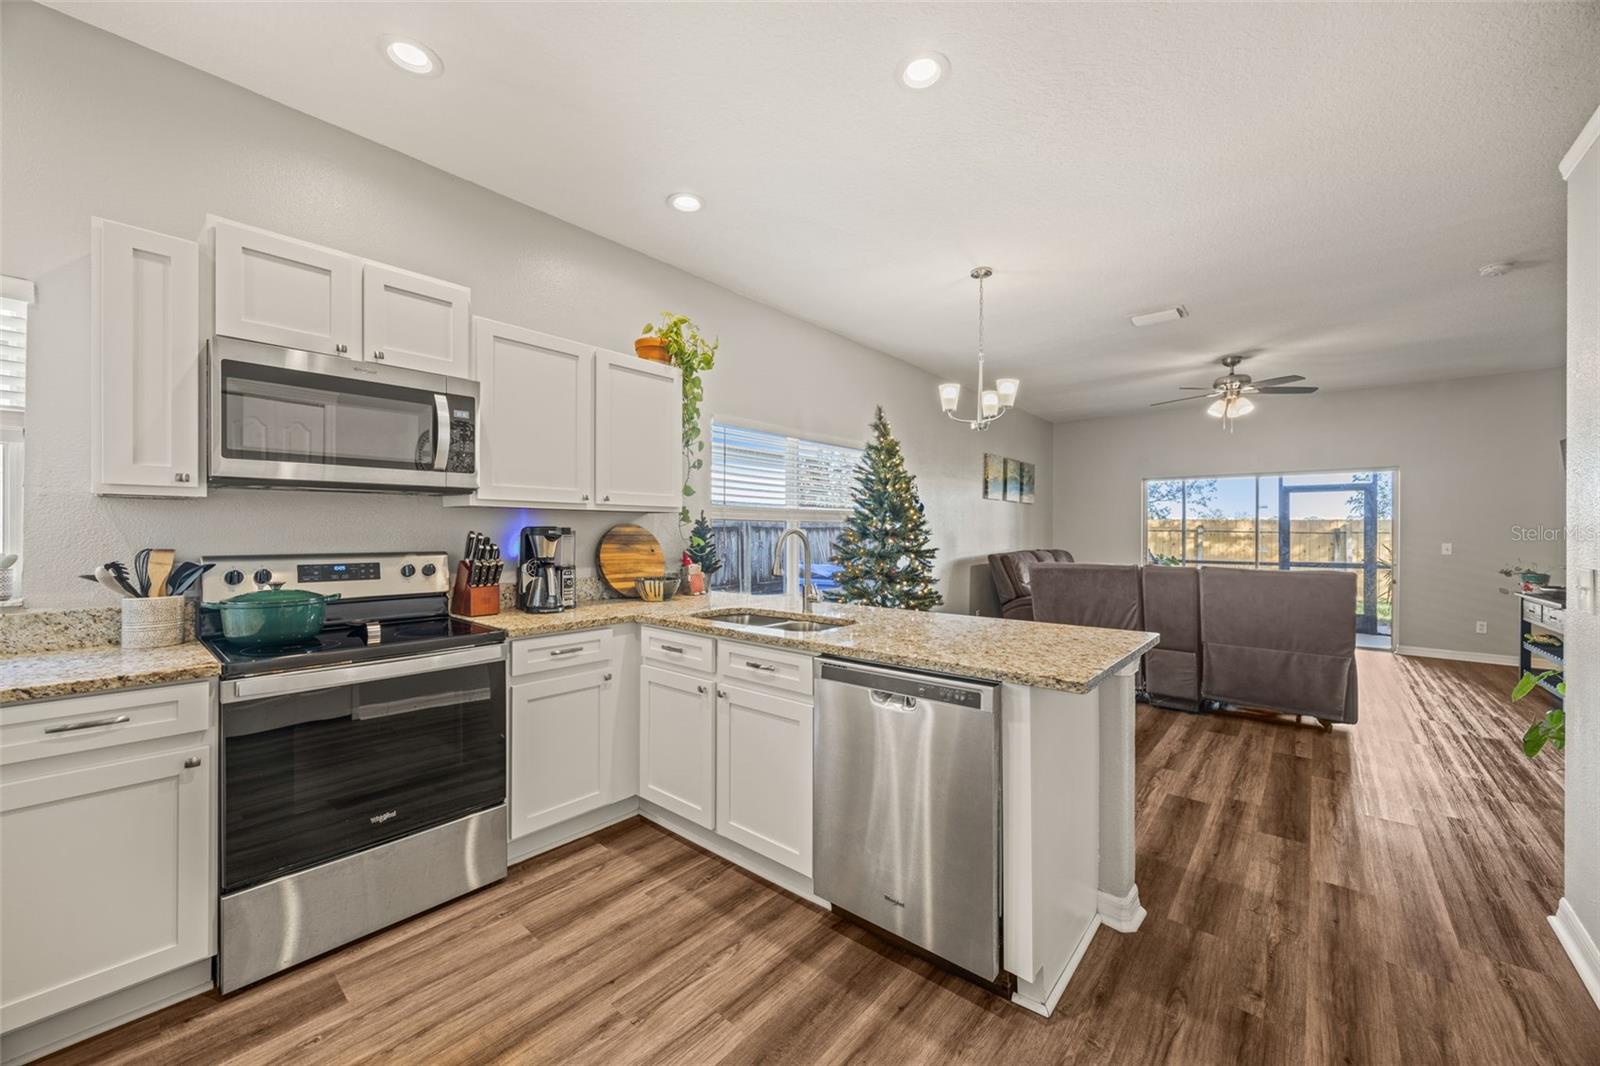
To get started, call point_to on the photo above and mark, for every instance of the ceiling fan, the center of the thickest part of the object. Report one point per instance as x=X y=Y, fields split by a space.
x=1232 y=391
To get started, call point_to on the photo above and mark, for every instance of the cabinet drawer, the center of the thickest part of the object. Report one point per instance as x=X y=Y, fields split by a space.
x=753 y=664
x=1532 y=612
x=88 y=723
x=540 y=654
x=1553 y=618
x=682 y=651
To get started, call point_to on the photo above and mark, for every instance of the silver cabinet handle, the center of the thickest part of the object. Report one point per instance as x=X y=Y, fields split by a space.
x=608 y=499
x=566 y=651
x=722 y=694
x=752 y=664
x=341 y=348
x=191 y=762
x=700 y=689
x=586 y=495
x=605 y=677
x=88 y=723
x=378 y=354
x=672 y=648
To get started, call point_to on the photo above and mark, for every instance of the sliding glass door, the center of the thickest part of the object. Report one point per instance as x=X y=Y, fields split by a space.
x=1330 y=521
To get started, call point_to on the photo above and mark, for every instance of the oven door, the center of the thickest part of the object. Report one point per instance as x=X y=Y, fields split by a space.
x=285 y=417
x=319 y=764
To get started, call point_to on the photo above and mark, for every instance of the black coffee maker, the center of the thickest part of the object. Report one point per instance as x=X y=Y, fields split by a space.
x=547 y=579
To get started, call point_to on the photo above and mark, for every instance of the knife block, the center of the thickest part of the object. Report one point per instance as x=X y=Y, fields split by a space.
x=472 y=600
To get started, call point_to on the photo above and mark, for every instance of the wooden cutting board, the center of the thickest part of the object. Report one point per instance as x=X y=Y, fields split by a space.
x=627 y=553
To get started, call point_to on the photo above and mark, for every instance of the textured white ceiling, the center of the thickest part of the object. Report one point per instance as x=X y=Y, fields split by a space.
x=1316 y=182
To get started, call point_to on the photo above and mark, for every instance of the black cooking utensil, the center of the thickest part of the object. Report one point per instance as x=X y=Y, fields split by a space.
x=119 y=571
x=141 y=570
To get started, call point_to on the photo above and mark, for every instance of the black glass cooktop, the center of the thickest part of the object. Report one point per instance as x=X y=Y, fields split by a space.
x=348 y=642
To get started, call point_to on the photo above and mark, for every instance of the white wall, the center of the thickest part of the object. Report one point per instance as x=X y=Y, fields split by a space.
x=94 y=125
x=1476 y=457
x=1582 y=885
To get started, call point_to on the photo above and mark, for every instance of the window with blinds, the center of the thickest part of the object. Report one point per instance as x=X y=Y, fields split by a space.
x=13 y=353
x=755 y=469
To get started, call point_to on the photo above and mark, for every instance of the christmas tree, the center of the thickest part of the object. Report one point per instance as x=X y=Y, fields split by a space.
x=703 y=546
x=883 y=554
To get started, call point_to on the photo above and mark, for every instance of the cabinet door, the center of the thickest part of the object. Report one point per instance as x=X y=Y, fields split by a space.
x=568 y=749
x=278 y=290
x=677 y=744
x=144 y=380
x=638 y=439
x=536 y=416
x=764 y=774
x=414 y=321
x=108 y=880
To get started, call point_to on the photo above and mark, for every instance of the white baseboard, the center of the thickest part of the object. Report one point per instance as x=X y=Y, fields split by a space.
x=1027 y=995
x=1580 y=947
x=1458 y=656
x=80 y=1023
x=552 y=837
x=1122 y=913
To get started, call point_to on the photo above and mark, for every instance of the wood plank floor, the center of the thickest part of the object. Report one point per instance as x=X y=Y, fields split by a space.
x=1372 y=895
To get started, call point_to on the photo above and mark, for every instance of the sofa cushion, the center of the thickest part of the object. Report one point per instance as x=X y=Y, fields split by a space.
x=1087 y=594
x=1172 y=606
x=1010 y=570
x=1172 y=674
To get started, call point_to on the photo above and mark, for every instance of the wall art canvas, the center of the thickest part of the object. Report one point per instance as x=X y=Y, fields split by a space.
x=1027 y=483
x=994 y=477
x=1013 y=480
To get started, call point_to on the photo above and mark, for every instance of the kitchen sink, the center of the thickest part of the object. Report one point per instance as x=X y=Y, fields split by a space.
x=778 y=622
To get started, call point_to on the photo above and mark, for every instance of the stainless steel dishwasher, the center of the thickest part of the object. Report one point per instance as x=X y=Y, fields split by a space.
x=906 y=808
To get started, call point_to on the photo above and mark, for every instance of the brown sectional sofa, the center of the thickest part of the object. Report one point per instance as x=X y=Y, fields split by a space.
x=1010 y=572
x=1277 y=639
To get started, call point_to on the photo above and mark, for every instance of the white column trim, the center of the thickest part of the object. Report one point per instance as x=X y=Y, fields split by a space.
x=1579 y=946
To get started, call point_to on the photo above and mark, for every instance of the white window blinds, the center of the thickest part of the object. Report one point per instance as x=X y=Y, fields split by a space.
x=13 y=352
x=754 y=468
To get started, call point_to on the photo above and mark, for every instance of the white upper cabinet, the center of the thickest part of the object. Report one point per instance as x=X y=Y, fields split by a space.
x=281 y=291
x=535 y=417
x=638 y=455
x=413 y=321
x=144 y=379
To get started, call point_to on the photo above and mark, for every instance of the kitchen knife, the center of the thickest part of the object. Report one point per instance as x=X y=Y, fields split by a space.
x=472 y=556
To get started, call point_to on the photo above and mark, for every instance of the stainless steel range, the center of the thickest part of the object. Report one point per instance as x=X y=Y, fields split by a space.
x=363 y=769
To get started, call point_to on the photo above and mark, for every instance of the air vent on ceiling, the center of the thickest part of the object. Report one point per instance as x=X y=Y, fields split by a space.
x=1170 y=314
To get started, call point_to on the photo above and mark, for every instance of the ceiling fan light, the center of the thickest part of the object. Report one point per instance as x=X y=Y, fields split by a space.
x=1243 y=406
x=1007 y=388
x=949 y=396
x=1218 y=409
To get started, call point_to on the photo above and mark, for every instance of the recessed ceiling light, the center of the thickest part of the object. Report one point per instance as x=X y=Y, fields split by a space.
x=1171 y=314
x=923 y=70
x=412 y=57
x=687 y=202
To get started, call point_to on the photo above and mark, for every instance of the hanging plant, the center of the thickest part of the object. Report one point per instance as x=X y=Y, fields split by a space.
x=692 y=354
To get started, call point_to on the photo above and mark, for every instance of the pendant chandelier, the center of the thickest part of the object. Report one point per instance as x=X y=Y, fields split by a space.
x=992 y=403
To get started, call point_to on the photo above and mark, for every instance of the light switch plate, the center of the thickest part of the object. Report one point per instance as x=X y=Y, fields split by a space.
x=1587 y=580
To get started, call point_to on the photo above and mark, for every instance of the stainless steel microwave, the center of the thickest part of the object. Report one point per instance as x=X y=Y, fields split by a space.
x=283 y=418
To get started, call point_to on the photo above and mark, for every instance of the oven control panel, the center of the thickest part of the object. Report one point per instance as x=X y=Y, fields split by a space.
x=351 y=576
x=308 y=573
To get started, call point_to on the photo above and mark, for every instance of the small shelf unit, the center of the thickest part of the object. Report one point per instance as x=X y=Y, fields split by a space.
x=1542 y=614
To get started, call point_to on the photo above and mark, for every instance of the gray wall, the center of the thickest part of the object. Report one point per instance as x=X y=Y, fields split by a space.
x=1583 y=543
x=94 y=125
x=1476 y=456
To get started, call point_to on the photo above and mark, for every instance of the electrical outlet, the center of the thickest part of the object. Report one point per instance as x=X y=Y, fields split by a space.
x=1447 y=548
x=1481 y=627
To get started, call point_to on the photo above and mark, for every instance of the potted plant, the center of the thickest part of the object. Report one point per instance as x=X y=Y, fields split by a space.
x=701 y=554
x=693 y=355
x=652 y=348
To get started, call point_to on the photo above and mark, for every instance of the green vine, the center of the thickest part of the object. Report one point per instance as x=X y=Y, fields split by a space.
x=693 y=355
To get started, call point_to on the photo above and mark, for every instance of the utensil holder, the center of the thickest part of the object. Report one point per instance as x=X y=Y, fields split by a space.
x=472 y=600
x=153 y=621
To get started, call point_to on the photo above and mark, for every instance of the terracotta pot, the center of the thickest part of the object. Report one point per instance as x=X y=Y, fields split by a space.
x=653 y=349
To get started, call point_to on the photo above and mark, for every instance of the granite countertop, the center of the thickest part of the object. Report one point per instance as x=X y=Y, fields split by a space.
x=1036 y=654
x=77 y=671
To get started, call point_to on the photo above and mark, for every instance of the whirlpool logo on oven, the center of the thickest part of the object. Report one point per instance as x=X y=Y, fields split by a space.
x=379 y=819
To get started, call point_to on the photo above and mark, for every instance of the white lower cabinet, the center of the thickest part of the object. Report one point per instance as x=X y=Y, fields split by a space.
x=570 y=748
x=764 y=773
x=677 y=743
x=107 y=853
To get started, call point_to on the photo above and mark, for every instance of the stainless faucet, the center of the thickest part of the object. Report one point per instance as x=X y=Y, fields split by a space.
x=808 y=590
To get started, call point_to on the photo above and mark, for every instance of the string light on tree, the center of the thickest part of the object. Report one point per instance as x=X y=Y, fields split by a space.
x=883 y=554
